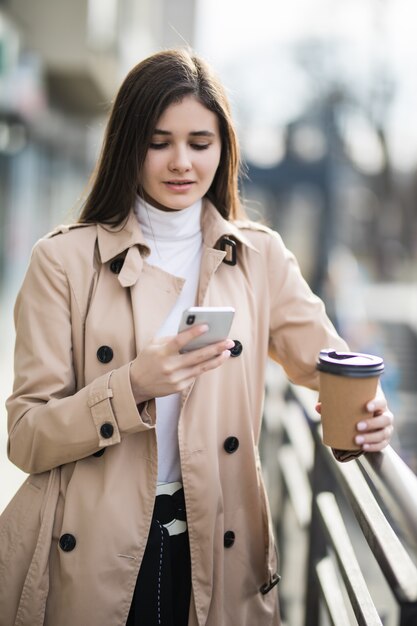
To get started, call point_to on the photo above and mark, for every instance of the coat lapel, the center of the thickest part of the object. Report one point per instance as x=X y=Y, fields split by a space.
x=210 y=261
x=153 y=291
x=153 y=296
x=215 y=227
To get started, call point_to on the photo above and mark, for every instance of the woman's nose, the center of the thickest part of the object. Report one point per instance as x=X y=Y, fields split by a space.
x=180 y=161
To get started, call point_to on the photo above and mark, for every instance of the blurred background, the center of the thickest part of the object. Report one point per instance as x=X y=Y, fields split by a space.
x=324 y=93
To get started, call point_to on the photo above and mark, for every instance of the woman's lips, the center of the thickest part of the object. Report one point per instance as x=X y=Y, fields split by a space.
x=179 y=185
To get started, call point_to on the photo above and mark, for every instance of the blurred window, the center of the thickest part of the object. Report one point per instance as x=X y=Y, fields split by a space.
x=102 y=23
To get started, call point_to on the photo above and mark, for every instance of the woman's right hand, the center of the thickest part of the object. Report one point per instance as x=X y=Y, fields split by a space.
x=160 y=369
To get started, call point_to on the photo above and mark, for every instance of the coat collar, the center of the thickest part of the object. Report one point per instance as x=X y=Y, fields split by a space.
x=215 y=227
x=113 y=241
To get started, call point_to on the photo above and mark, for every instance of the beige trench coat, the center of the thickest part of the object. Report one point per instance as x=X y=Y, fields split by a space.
x=77 y=297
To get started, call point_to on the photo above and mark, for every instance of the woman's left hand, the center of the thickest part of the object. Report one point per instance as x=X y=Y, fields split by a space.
x=375 y=432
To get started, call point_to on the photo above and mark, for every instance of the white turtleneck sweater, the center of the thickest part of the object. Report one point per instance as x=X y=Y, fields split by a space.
x=176 y=244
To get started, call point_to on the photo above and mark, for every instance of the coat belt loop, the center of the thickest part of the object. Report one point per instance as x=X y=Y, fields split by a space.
x=229 y=246
x=275 y=578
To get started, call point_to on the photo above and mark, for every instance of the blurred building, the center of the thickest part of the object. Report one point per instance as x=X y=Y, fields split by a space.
x=60 y=65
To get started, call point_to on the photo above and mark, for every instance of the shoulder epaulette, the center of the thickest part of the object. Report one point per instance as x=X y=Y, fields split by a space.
x=250 y=225
x=62 y=229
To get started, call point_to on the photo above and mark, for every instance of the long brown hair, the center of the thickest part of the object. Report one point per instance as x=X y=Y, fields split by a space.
x=149 y=88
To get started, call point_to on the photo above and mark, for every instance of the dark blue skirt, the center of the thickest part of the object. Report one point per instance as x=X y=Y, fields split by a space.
x=163 y=587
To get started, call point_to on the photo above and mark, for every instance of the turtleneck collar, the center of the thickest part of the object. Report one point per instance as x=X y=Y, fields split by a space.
x=168 y=225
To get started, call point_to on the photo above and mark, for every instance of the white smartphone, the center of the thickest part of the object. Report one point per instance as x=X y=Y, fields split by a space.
x=218 y=318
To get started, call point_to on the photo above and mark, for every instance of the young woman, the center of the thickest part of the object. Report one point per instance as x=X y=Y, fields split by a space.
x=145 y=503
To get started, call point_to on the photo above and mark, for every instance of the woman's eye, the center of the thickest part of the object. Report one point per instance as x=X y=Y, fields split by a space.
x=158 y=146
x=161 y=145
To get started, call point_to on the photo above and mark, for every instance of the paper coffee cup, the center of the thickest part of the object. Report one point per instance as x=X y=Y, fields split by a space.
x=348 y=381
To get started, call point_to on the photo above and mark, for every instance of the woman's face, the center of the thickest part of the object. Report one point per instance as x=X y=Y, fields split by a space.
x=183 y=157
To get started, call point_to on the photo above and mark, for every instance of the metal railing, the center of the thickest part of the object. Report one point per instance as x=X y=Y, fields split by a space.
x=347 y=532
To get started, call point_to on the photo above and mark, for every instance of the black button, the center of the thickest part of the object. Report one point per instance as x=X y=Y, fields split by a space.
x=99 y=452
x=104 y=354
x=237 y=348
x=231 y=444
x=67 y=542
x=106 y=430
x=116 y=265
x=229 y=538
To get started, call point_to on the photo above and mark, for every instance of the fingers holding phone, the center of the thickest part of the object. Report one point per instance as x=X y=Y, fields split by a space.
x=168 y=365
x=218 y=321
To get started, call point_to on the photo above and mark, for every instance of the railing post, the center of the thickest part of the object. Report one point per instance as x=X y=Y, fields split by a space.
x=317 y=542
x=408 y=614
x=316 y=550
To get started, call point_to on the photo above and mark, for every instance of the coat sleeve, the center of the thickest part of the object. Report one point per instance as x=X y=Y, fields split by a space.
x=51 y=423
x=299 y=326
